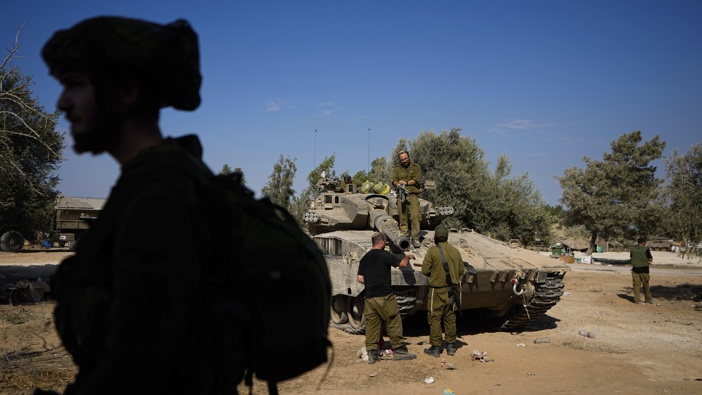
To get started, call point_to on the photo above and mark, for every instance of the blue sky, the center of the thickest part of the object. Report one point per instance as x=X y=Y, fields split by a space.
x=544 y=82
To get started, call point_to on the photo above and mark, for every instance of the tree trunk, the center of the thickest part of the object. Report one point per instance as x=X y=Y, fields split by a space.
x=593 y=240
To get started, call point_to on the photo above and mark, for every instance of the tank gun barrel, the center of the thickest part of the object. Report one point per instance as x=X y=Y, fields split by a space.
x=382 y=222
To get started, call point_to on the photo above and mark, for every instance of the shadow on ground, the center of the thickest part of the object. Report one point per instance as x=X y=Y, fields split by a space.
x=683 y=291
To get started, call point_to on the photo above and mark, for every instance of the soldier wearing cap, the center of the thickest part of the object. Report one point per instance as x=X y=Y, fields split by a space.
x=441 y=309
x=130 y=301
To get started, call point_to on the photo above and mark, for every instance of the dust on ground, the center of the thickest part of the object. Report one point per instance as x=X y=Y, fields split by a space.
x=643 y=349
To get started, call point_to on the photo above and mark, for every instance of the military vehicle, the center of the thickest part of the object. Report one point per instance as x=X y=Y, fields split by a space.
x=661 y=244
x=73 y=217
x=514 y=286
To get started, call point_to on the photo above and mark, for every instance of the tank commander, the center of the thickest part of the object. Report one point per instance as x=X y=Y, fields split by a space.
x=406 y=177
x=117 y=73
x=380 y=305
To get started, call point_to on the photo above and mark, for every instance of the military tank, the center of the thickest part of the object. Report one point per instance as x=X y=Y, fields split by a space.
x=514 y=286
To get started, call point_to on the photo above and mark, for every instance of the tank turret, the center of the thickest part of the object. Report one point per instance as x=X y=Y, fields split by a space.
x=515 y=286
x=341 y=206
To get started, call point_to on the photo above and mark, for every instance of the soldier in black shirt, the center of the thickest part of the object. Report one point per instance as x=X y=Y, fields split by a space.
x=380 y=305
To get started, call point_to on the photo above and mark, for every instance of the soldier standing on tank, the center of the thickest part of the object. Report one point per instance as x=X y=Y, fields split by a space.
x=409 y=175
x=117 y=73
x=641 y=259
x=380 y=305
x=440 y=309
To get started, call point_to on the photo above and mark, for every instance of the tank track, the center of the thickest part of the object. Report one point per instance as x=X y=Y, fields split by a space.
x=546 y=295
x=405 y=303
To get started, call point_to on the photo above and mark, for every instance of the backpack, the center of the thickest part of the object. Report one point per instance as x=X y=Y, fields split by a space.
x=280 y=284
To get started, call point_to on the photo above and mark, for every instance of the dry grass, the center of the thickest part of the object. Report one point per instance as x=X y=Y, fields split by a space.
x=31 y=355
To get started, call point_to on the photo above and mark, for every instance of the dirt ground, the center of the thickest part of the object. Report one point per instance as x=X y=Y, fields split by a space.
x=642 y=349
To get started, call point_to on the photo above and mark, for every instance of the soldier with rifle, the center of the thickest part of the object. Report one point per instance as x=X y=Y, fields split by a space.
x=407 y=178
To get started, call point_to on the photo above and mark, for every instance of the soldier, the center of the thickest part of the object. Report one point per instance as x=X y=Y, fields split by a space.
x=117 y=73
x=439 y=258
x=380 y=306
x=409 y=176
x=641 y=259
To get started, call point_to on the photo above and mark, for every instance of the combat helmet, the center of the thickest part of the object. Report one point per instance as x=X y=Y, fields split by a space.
x=166 y=55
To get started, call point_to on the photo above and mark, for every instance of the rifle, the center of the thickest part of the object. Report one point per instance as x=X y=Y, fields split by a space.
x=402 y=192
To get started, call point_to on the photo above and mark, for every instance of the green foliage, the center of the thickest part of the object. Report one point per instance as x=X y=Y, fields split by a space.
x=279 y=188
x=226 y=170
x=299 y=204
x=458 y=166
x=493 y=204
x=617 y=197
x=31 y=149
x=684 y=191
x=327 y=166
x=379 y=172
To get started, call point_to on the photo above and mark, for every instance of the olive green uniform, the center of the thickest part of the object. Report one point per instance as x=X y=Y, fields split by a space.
x=411 y=204
x=440 y=309
x=640 y=276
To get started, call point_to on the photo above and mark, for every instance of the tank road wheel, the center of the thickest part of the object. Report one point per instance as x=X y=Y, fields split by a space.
x=354 y=312
x=338 y=310
x=11 y=241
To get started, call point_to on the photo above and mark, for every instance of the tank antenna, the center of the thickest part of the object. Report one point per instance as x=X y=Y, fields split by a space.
x=368 y=168
x=315 y=148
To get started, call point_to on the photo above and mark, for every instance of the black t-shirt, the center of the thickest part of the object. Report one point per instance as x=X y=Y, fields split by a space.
x=375 y=269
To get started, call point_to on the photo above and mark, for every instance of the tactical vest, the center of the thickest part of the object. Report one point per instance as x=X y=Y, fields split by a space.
x=638 y=256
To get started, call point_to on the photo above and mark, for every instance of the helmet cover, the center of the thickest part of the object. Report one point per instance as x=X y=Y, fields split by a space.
x=165 y=54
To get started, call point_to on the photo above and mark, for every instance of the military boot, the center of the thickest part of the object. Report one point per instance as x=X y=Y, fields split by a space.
x=373 y=357
x=402 y=354
x=451 y=349
x=434 y=351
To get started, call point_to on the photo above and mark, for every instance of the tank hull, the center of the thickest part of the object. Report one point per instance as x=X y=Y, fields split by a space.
x=514 y=285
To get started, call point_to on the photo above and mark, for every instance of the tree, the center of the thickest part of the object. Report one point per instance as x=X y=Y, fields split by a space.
x=30 y=151
x=495 y=204
x=226 y=170
x=238 y=173
x=458 y=166
x=379 y=172
x=279 y=188
x=300 y=204
x=684 y=192
x=327 y=166
x=617 y=197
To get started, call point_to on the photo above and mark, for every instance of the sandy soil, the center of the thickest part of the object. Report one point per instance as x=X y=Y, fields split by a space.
x=643 y=349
